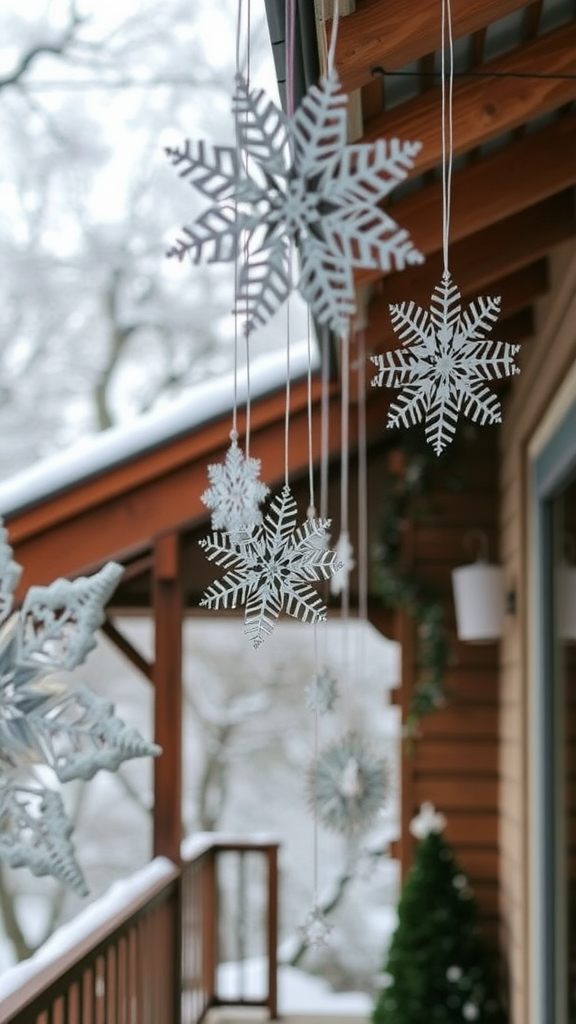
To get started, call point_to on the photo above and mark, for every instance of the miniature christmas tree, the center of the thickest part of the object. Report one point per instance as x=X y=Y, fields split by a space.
x=437 y=967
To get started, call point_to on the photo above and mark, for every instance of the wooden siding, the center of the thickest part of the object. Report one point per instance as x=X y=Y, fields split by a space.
x=545 y=364
x=455 y=760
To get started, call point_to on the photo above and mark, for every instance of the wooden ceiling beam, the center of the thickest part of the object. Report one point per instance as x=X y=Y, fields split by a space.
x=484 y=108
x=490 y=190
x=517 y=291
x=391 y=34
x=484 y=258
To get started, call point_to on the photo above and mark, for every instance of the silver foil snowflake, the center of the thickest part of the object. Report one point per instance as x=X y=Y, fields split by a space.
x=236 y=492
x=445 y=363
x=271 y=569
x=348 y=784
x=322 y=693
x=47 y=723
x=296 y=180
x=315 y=929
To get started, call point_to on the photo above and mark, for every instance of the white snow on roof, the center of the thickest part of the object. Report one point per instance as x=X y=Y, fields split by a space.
x=93 y=455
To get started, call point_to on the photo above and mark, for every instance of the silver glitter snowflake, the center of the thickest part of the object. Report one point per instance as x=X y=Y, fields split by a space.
x=296 y=180
x=236 y=492
x=322 y=693
x=315 y=929
x=348 y=784
x=45 y=721
x=271 y=569
x=444 y=364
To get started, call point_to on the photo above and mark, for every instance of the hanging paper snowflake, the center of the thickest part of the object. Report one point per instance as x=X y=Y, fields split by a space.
x=348 y=784
x=315 y=929
x=271 y=569
x=322 y=693
x=345 y=552
x=46 y=722
x=445 y=363
x=236 y=492
x=296 y=180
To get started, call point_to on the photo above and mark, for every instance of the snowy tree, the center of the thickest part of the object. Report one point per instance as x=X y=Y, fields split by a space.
x=95 y=324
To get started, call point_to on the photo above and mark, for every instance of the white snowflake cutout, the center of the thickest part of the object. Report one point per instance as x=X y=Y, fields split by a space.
x=323 y=692
x=345 y=553
x=444 y=364
x=295 y=180
x=236 y=492
x=271 y=569
x=348 y=784
x=46 y=722
x=35 y=833
x=426 y=821
x=57 y=623
x=315 y=929
x=10 y=573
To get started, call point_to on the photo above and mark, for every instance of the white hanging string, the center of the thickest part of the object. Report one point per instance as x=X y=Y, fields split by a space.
x=362 y=500
x=331 y=70
x=239 y=156
x=344 y=500
x=447 y=49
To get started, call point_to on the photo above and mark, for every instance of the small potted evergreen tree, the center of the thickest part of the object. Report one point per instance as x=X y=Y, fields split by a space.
x=437 y=969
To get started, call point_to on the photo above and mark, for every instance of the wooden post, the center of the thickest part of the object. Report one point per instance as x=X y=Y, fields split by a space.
x=167 y=603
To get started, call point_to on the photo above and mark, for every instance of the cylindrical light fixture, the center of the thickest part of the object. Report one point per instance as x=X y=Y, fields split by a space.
x=479 y=599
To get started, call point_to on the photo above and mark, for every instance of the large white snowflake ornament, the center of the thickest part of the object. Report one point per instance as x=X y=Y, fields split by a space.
x=48 y=725
x=236 y=492
x=296 y=180
x=348 y=784
x=444 y=364
x=271 y=569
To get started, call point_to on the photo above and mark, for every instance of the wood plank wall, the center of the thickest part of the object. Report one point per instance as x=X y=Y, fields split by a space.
x=455 y=762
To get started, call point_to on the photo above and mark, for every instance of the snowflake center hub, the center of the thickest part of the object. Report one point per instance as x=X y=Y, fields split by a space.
x=297 y=207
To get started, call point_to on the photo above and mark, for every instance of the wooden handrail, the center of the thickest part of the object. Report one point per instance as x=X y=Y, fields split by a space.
x=155 y=959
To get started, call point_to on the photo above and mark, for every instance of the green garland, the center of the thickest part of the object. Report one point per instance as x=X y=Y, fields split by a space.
x=408 y=500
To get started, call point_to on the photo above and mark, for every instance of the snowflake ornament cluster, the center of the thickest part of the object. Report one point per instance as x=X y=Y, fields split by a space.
x=296 y=181
x=444 y=364
x=348 y=784
x=236 y=493
x=47 y=723
x=271 y=569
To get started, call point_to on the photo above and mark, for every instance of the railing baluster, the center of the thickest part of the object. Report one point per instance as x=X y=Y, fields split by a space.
x=156 y=962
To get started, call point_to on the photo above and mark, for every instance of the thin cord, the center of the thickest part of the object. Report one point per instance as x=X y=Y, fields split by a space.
x=234 y=432
x=311 y=503
x=447 y=127
x=246 y=250
x=344 y=498
x=362 y=483
x=333 y=39
x=290 y=50
x=287 y=410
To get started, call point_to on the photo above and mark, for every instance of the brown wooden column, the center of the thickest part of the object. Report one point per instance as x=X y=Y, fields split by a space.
x=167 y=604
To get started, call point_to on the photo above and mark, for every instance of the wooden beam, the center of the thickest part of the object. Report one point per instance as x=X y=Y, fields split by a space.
x=391 y=34
x=168 y=615
x=482 y=260
x=490 y=190
x=483 y=109
x=517 y=291
x=128 y=650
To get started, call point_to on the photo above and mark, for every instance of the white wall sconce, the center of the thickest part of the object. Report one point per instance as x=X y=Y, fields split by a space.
x=479 y=597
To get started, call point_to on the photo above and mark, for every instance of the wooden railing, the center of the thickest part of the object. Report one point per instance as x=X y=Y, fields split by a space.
x=155 y=960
